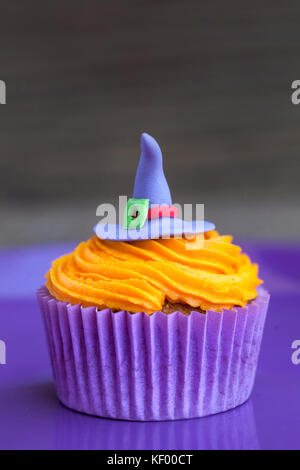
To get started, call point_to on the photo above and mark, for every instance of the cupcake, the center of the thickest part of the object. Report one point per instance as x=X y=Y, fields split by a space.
x=155 y=318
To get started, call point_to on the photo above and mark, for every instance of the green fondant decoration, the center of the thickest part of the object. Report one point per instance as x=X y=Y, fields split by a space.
x=136 y=213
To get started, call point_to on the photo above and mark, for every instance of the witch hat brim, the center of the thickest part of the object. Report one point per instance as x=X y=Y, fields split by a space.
x=151 y=185
x=153 y=229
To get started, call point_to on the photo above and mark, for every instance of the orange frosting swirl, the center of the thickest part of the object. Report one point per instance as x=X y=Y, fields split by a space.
x=139 y=276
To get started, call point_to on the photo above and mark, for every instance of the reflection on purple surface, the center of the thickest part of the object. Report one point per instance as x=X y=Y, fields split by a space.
x=232 y=430
x=32 y=418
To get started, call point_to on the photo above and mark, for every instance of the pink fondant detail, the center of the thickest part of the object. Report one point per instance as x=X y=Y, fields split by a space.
x=157 y=212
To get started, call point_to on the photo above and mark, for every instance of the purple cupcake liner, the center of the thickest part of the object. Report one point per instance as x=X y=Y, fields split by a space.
x=152 y=367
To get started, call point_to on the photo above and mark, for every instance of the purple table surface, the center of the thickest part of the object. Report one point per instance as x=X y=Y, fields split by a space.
x=32 y=418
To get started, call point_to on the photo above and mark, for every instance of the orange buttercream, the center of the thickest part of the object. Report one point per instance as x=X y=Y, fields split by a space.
x=139 y=276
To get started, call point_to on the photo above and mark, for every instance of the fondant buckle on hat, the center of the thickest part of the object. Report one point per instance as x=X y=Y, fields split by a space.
x=150 y=213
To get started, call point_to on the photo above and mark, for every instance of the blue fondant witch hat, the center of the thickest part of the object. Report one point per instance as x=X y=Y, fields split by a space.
x=150 y=213
x=150 y=181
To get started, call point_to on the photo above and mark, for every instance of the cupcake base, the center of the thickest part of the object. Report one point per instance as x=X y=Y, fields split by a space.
x=152 y=367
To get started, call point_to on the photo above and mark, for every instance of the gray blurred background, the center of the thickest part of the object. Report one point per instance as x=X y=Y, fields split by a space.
x=211 y=81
